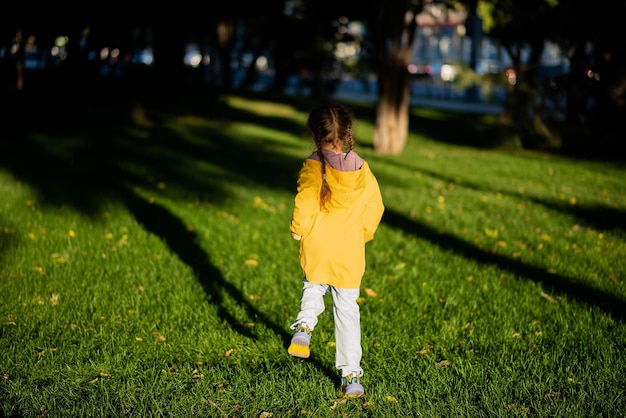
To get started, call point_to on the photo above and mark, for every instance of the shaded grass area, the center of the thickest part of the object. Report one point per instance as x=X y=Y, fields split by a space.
x=146 y=269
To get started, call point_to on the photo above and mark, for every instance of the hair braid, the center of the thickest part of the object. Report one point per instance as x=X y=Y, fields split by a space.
x=325 y=191
x=330 y=124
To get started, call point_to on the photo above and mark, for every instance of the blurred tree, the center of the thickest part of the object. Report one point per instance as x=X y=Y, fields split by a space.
x=508 y=22
x=596 y=83
x=393 y=28
x=390 y=29
x=594 y=88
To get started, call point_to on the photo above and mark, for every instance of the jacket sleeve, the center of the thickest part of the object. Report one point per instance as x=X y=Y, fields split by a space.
x=306 y=202
x=374 y=208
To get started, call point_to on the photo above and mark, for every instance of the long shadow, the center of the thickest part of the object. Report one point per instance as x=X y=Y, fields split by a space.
x=87 y=169
x=182 y=242
x=596 y=216
x=554 y=283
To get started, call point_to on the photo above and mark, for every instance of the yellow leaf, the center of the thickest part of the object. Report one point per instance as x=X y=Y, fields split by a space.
x=399 y=266
x=229 y=352
x=159 y=336
x=491 y=232
x=370 y=292
x=391 y=398
x=251 y=262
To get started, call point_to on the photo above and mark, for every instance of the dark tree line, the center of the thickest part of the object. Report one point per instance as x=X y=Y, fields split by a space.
x=300 y=34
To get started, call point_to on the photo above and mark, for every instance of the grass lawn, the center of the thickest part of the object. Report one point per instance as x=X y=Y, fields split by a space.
x=146 y=269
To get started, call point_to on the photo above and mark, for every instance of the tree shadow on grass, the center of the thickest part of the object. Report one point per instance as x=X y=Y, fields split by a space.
x=554 y=283
x=100 y=160
x=596 y=216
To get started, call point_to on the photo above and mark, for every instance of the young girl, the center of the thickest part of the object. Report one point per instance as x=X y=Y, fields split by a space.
x=337 y=209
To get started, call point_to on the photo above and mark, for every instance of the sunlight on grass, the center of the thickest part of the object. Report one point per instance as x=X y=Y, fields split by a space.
x=265 y=108
x=153 y=273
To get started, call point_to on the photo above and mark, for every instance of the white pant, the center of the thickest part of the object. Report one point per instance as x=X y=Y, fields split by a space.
x=347 y=322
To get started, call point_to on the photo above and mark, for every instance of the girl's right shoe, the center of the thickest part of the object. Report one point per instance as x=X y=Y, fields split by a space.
x=351 y=386
x=300 y=341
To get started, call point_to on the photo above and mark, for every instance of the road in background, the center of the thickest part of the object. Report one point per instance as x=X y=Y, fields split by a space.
x=423 y=94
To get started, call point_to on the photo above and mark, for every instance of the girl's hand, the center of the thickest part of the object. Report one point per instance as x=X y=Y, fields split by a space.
x=295 y=236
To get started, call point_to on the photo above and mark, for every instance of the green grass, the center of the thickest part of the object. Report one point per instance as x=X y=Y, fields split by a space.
x=146 y=269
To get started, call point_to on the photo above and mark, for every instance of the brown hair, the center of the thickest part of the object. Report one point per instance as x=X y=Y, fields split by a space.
x=330 y=124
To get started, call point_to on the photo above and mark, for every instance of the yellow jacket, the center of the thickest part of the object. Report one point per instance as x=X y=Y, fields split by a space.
x=332 y=247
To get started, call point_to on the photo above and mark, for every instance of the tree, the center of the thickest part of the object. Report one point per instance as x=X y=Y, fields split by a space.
x=393 y=31
x=390 y=30
x=508 y=23
x=595 y=88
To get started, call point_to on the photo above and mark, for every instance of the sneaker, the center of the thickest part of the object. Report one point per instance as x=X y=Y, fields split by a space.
x=300 y=341
x=351 y=386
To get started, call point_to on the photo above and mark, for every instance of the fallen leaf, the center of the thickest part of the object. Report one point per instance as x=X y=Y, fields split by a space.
x=491 y=232
x=370 y=292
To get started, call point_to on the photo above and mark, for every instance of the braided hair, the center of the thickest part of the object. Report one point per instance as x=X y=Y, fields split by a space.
x=330 y=124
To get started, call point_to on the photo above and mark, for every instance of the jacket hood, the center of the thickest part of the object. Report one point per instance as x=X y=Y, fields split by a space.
x=345 y=186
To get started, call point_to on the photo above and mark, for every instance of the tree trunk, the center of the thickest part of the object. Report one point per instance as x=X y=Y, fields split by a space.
x=395 y=35
x=392 y=112
x=225 y=42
